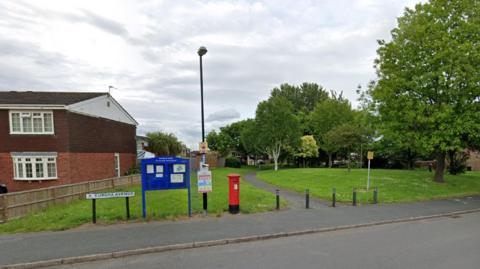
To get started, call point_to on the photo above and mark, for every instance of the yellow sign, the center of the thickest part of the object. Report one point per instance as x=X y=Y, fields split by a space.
x=203 y=147
x=370 y=155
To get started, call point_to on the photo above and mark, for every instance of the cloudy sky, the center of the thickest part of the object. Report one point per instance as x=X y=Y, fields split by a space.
x=147 y=50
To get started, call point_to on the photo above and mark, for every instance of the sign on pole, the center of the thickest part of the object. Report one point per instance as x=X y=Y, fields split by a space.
x=110 y=195
x=203 y=147
x=369 y=157
x=204 y=181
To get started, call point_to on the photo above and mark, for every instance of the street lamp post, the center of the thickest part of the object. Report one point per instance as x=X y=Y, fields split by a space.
x=202 y=51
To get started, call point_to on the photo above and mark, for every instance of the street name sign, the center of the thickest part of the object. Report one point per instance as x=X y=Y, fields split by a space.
x=106 y=195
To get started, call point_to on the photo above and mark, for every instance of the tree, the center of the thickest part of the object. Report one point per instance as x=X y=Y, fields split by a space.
x=249 y=139
x=276 y=125
x=303 y=97
x=345 y=138
x=327 y=115
x=330 y=113
x=308 y=148
x=428 y=77
x=164 y=144
x=221 y=142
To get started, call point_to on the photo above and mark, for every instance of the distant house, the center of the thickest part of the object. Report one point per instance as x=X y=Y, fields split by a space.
x=142 y=143
x=56 y=138
x=473 y=162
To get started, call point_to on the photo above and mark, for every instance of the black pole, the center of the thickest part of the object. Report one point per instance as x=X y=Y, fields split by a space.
x=375 y=195
x=277 y=195
x=127 y=206
x=204 y=195
x=94 y=211
x=334 y=197
x=354 y=200
x=307 y=199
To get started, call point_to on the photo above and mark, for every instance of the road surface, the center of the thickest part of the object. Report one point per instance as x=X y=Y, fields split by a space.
x=436 y=243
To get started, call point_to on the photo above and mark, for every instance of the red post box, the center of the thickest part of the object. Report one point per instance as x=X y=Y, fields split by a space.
x=234 y=193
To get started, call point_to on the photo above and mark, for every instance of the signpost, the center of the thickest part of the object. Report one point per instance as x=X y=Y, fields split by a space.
x=369 y=157
x=165 y=173
x=204 y=181
x=106 y=195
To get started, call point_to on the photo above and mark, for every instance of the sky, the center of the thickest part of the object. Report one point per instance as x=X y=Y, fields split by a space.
x=147 y=50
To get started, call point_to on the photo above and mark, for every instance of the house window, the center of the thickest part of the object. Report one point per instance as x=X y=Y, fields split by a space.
x=117 y=164
x=31 y=122
x=34 y=168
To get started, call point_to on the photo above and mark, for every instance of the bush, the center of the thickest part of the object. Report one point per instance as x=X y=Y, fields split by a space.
x=458 y=163
x=133 y=170
x=233 y=162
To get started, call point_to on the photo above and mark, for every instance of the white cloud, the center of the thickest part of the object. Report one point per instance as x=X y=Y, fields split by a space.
x=223 y=115
x=147 y=49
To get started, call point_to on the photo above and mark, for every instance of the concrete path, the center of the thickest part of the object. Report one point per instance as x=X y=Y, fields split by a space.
x=294 y=199
x=103 y=239
x=443 y=243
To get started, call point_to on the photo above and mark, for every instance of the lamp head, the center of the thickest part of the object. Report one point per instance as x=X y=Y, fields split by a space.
x=202 y=51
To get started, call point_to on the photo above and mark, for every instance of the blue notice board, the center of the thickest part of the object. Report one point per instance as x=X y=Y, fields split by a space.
x=165 y=173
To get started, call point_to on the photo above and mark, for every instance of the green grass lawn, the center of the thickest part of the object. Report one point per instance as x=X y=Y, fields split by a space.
x=393 y=185
x=170 y=204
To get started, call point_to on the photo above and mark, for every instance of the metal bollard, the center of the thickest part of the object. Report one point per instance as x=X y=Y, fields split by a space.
x=307 y=198
x=277 y=194
x=94 y=211
x=334 y=194
x=127 y=207
x=354 y=198
x=375 y=195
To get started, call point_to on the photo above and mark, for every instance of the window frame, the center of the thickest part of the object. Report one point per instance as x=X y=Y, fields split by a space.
x=33 y=160
x=32 y=125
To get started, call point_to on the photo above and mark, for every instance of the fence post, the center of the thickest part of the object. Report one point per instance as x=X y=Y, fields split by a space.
x=3 y=214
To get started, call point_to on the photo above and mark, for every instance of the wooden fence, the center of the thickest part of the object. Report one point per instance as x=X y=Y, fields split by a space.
x=18 y=204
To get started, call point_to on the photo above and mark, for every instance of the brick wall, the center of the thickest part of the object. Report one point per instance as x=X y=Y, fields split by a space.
x=71 y=168
x=90 y=134
x=57 y=142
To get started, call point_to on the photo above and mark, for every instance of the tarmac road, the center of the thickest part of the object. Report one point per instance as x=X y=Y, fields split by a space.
x=436 y=243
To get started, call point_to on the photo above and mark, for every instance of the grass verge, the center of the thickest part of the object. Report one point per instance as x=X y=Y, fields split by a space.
x=161 y=205
x=393 y=185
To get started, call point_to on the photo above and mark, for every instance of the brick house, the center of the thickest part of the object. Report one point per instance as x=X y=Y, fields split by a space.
x=56 y=138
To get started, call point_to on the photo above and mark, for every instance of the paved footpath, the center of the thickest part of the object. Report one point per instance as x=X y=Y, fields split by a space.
x=103 y=239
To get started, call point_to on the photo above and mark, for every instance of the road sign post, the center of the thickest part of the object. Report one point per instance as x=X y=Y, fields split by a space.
x=369 y=157
x=106 y=195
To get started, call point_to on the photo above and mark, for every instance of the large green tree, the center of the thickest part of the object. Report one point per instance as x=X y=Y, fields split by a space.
x=308 y=148
x=303 y=97
x=164 y=144
x=429 y=77
x=277 y=126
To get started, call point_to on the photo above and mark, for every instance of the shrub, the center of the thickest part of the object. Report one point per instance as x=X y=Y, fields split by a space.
x=233 y=162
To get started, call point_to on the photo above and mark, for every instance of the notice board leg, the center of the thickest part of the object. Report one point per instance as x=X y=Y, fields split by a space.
x=94 y=211
x=189 y=203
x=127 y=206
x=144 y=209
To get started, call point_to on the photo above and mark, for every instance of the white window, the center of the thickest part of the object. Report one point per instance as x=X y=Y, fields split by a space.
x=34 y=168
x=31 y=122
x=117 y=164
